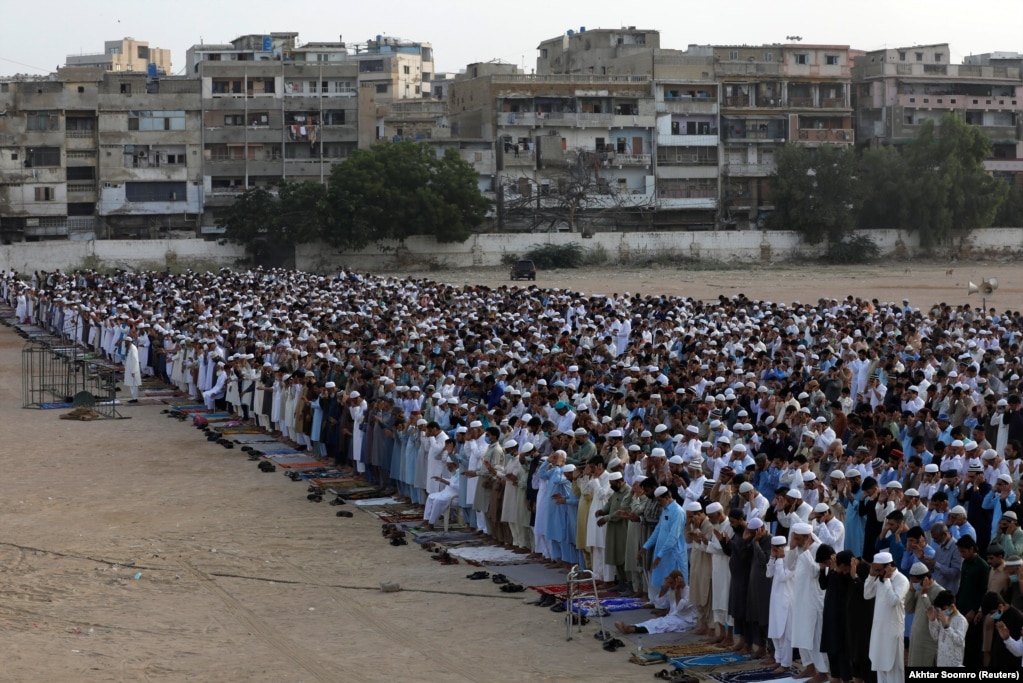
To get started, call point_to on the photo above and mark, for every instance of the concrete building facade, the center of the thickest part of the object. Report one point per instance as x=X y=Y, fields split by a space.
x=126 y=54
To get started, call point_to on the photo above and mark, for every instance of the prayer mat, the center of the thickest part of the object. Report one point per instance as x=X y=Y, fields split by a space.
x=251 y=437
x=362 y=495
x=488 y=554
x=367 y=502
x=647 y=658
x=685 y=649
x=589 y=607
x=751 y=676
x=159 y=393
x=446 y=537
x=715 y=659
x=296 y=465
x=402 y=518
x=55 y=406
x=558 y=590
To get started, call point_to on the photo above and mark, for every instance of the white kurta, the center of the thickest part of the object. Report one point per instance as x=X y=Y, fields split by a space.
x=886 y=635
x=807 y=612
x=681 y=615
x=721 y=581
x=132 y=373
x=780 y=622
x=357 y=411
x=435 y=462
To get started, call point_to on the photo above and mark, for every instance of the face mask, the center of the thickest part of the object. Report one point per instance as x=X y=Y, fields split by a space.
x=1013 y=578
x=917 y=587
x=947 y=612
x=997 y=615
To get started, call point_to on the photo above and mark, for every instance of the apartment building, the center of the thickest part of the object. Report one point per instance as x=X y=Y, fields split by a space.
x=126 y=54
x=275 y=109
x=570 y=150
x=898 y=89
x=89 y=152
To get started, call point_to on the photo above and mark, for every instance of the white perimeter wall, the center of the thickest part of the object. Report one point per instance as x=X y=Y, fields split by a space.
x=483 y=250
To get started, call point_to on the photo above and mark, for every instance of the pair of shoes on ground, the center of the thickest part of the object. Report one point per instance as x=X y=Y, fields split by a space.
x=512 y=588
x=676 y=676
x=345 y=513
x=613 y=645
x=478 y=576
x=499 y=578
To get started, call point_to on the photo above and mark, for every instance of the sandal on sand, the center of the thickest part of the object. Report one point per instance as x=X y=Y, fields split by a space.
x=604 y=635
x=512 y=588
x=476 y=576
x=559 y=607
x=613 y=645
x=665 y=674
x=338 y=501
x=397 y=540
x=499 y=578
x=314 y=498
x=346 y=513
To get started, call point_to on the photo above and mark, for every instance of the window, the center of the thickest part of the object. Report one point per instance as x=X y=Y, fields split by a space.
x=322 y=57
x=259 y=118
x=334 y=117
x=156 y=120
x=768 y=56
x=43 y=120
x=733 y=55
x=344 y=88
x=937 y=57
x=919 y=56
x=42 y=157
x=382 y=87
x=831 y=60
x=80 y=123
x=44 y=194
x=802 y=58
x=125 y=88
x=543 y=53
x=81 y=88
x=902 y=56
x=371 y=66
x=405 y=69
x=234 y=119
x=155 y=192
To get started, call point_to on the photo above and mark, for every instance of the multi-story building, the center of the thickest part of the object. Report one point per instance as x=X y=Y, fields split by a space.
x=570 y=151
x=898 y=89
x=126 y=54
x=88 y=152
x=274 y=109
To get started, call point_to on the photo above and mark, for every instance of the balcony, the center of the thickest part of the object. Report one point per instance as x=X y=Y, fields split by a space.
x=666 y=140
x=688 y=105
x=948 y=101
x=824 y=135
x=750 y=170
x=642 y=160
x=666 y=202
x=81 y=224
x=737 y=101
x=801 y=102
x=833 y=103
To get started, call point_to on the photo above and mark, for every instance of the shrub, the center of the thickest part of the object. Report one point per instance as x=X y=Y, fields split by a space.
x=852 y=249
x=547 y=256
x=509 y=258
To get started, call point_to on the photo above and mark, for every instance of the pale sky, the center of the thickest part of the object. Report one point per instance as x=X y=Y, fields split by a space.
x=465 y=31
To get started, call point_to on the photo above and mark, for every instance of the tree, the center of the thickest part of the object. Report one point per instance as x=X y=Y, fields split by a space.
x=577 y=191
x=269 y=222
x=396 y=190
x=814 y=191
x=950 y=191
x=1010 y=213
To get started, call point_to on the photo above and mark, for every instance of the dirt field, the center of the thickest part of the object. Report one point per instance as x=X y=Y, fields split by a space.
x=242 y=579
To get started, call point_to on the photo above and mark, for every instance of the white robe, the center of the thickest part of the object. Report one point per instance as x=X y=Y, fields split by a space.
x=132 y=373
x=681 y=615
x=780 y=622
x=886 y=636
x=806 y=613
x=435 y=462
x=721 y=580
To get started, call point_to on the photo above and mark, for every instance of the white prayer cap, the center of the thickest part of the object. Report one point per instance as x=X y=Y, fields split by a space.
x=354 y=394
x=714 y=507
x=527 y=448
x=614 y=434
x=420 y=422
x=329 y=385
x=837 y=474
x=883 y=558
x=476 y=424
x=461 y=429
x=779 y=540
x=755 y=524
x=692 y=506
x=1005 y=478
x=956 y=444
x=932 y=468
x=660 y=428
x=989 y=454
x=613 y=463
x=696 y=463
x=676 y=460
x=821 y=508
x=510 y=443
x=568 y=468
x=745 y=487
x=919 y=569
x=739 y=448
x=795 y=493
x=1014 y=561
x=802 y=528
x=957 y=510
x=614 y=476
x=580 y=431
x=658 y=453
x=693 y=429
x=660 y=491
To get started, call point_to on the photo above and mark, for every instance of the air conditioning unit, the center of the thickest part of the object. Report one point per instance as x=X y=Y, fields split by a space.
x=142 y=154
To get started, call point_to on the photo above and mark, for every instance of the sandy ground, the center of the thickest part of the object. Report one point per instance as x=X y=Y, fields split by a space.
x=242 y=579
x=924 y=283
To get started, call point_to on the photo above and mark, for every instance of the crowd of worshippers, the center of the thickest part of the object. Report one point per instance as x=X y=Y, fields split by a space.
x=840 y=481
